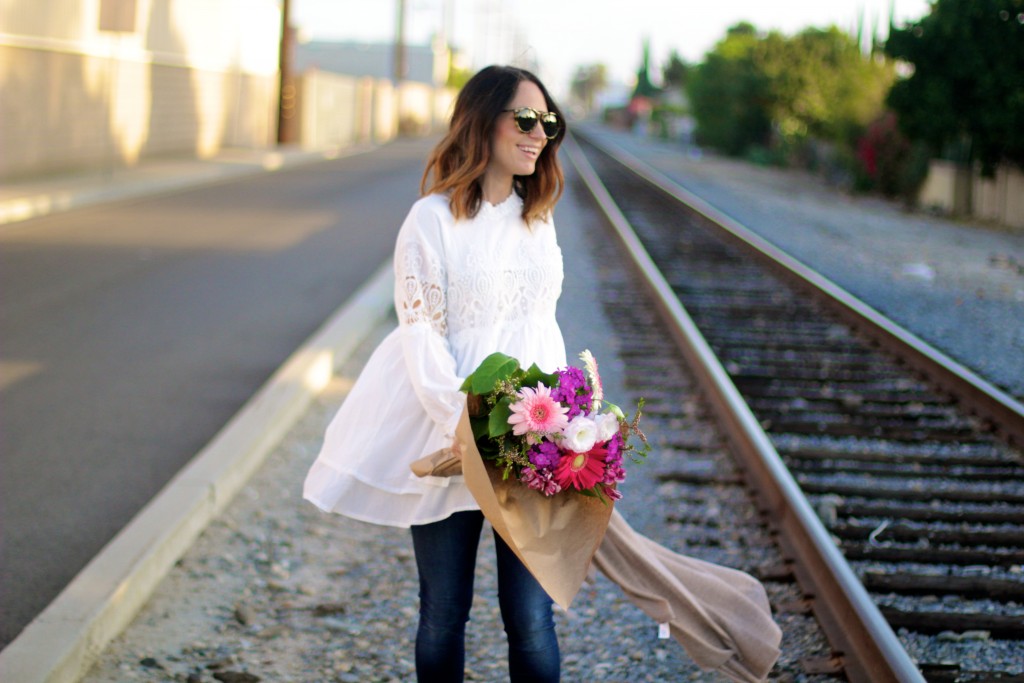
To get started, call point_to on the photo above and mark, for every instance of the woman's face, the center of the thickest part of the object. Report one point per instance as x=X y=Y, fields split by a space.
x=513 y=152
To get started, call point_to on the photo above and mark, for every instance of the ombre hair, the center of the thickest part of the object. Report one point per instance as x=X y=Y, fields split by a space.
x=457 y=165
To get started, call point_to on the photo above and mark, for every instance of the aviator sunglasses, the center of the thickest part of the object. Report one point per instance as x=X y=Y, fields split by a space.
x=526 y=119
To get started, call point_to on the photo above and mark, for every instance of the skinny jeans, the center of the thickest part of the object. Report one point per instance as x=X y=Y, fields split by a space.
x=446 y=560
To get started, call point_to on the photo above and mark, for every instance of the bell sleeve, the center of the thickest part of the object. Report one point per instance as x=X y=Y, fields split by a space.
x=421 y=307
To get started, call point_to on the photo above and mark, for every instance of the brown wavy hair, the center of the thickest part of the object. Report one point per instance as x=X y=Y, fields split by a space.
x=457 y=164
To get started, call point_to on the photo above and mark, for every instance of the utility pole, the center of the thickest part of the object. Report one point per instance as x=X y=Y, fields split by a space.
x=400 y=67
x=286 y=108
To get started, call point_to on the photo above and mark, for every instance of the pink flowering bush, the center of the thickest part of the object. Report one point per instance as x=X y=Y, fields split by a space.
x=552 y=431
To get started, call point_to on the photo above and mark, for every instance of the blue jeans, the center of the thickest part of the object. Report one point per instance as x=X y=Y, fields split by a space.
x=446 y=558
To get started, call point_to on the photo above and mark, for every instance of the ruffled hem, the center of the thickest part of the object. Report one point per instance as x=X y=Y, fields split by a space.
x=345 y=494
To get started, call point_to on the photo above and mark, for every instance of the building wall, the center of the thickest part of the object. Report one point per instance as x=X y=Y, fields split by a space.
x=939 y=187
x=427 y=64
x=1000 y=199
x=953 y=189
x=336 y=110
x=184 y=77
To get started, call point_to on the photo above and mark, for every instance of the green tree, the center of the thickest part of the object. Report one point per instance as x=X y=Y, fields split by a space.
x=587 y=82
x=729 y=94
x=774 y=91
x=644 y=87
x=821 y=85
x=676 y=72
x=965 y=95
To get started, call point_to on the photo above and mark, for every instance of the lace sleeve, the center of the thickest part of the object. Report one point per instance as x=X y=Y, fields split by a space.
x=419 y=288
x=420 y=303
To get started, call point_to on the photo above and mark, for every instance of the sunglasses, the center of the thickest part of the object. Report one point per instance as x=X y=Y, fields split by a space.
x=526 y=119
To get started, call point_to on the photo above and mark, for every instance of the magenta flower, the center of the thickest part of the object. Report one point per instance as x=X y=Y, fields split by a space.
x=614 y=446
x=613 y=474
x=573 y=391
x=540 y=480
x=545 y=454
x=581 y=470
x=536 y=411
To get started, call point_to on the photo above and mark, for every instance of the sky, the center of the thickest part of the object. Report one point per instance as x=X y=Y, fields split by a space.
x=560 y=35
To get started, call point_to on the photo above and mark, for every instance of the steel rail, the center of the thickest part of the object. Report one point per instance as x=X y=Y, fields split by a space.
x=1004 y=413
x=860 y=635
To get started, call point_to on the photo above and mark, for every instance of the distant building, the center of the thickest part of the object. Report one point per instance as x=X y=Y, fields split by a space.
x=423 y=63
x=347 y=92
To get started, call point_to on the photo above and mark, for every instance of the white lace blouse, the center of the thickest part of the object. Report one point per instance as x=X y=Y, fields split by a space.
x=463 y=290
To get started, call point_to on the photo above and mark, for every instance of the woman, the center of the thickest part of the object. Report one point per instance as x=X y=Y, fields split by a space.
x=477 y=270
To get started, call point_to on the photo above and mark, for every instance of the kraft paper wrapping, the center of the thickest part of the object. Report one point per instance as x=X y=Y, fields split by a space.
x=554 y=537
x=720 y=616
x=442 y=463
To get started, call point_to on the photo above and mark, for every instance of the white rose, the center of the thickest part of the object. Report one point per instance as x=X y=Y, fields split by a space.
x=581 y=434
x=607 y=426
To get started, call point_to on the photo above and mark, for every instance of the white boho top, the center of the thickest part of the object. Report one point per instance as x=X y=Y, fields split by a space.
x=463 y=290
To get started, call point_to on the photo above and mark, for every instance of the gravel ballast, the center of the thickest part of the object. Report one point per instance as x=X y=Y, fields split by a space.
x=958 y=285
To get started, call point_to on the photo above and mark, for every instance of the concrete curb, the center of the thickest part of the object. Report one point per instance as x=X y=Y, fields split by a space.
x=63 y=641
x=157 y=178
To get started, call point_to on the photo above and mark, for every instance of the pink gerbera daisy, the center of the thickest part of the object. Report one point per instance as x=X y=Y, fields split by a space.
x=537 y=412
x=581 y=470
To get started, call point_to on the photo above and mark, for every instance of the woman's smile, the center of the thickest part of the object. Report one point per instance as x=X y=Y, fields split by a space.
x=531 y=151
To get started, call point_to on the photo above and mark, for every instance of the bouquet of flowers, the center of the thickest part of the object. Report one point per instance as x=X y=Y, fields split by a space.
x=551 y=431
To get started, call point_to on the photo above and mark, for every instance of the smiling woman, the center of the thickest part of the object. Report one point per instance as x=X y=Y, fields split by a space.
x=477 y=270
x=491 y=150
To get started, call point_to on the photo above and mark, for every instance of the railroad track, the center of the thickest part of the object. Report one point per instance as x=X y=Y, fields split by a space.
x=885 y=466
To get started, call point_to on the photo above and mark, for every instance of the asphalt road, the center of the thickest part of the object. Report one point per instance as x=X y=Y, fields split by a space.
x=131 y=332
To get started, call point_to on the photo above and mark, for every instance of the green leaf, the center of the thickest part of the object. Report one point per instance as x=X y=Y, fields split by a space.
x=488 y=448
x=480 y=427
x=594 y=493
x=493 y=369
x=535 y=375
x=498 y=419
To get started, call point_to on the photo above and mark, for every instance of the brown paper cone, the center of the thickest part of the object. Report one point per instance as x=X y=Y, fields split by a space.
x=555 y=537
x=720 y=616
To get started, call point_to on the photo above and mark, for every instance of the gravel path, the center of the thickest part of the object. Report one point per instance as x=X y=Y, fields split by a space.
x=275 y=590
x=958 y=285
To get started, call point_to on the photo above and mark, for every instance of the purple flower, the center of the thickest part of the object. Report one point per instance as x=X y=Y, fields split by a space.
x=573 y=391
x=540 y=480
x=614 y=447
x=613 y=474
x=545 y=454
